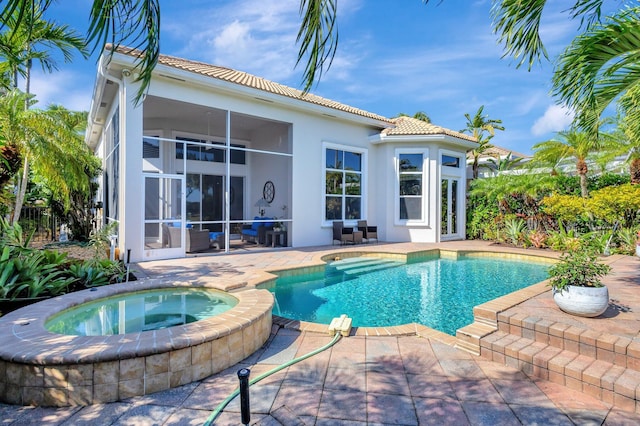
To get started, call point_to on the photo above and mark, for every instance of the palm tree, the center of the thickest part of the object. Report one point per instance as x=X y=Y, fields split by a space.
x=569 y=144
x=483 y=129
x=599 y=66
x=51 y=140
x=503 y=164
x=420 y=115
x=625 y=140
x=30 y=38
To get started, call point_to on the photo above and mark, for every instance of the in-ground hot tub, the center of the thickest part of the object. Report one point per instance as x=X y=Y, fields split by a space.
x=141 y=311
x=40 y=367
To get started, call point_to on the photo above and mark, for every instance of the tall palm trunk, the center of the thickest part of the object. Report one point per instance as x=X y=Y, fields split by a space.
x=634 y=171
x=22 y=191
x=22 y=187
x=582 y=169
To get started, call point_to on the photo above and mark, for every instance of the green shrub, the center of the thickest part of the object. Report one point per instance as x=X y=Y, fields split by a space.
x=578 y=267
x=30 y=273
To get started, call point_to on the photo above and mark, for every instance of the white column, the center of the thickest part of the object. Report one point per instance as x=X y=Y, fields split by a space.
x=131 y=181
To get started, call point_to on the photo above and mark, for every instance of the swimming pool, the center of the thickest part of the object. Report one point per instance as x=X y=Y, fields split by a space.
x=375 y=292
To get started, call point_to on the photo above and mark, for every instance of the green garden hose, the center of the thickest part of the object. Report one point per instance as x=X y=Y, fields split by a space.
x=235 y=393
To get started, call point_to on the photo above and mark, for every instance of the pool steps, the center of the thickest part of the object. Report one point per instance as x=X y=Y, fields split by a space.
x=355 y=266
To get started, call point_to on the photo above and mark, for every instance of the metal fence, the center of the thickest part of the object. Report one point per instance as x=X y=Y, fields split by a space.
x=43 y=221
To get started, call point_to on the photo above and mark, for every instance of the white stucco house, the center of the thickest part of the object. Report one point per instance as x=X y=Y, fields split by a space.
x=209 y=147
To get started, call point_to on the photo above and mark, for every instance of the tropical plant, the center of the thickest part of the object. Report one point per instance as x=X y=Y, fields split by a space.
x=100 y=239
x=599 y=66
x=89 y=274
x=514 y=228
x=51 y=142
x=502 y=164
x=13 y=235
x=420 y=115
x=578 y=268
x=627 y=239
x=616 y=204
x=625 y=141
x=563 y=239
x=537 y=238
x=569 y=144
x=564 y=208
x=482 y=128
x=28 y=38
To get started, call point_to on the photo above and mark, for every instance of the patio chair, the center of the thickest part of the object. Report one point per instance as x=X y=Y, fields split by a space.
x=256 y=231
x=342 y=234
x=368 y=232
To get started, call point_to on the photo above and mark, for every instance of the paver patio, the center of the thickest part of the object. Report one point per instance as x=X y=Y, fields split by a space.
x=363 y=379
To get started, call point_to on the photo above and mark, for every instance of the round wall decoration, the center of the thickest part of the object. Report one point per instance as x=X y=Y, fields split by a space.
x=269 y=191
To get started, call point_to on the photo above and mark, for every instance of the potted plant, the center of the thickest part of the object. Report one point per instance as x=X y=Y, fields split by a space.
x=576 y=284
x=638 y=245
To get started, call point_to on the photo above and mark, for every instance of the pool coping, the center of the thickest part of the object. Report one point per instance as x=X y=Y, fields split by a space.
x=483 y=313
x=38 y=367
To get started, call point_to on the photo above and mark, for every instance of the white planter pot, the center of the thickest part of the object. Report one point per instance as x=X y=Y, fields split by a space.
x=582 y=301
x=638 y=250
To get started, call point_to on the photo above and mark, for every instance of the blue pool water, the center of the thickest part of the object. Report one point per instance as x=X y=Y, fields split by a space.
x=438 y=293
x=140 y=311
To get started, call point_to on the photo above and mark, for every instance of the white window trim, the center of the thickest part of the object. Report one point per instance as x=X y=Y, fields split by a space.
x=458 y=173
x=453 y=171
x=424 y=221
x=363 y=183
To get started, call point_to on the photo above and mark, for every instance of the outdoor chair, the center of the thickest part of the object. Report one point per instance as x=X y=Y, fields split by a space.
x=196 y=240
x=368 y=232
x=342 y=234
x=256 y=231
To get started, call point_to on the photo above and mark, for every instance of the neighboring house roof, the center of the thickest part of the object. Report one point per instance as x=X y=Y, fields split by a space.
x=412 y=126
x=400 y=126
x=498 y=152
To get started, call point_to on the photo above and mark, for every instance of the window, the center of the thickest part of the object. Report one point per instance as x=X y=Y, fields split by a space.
x=411 y=168
x=150 y=147
x=343 y=184
x=450 y=161
x=209 y=152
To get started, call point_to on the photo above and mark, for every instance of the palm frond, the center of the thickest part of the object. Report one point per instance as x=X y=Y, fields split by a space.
x=517 y=23
x=318 y=38
x=599 y=65
x=135 y=22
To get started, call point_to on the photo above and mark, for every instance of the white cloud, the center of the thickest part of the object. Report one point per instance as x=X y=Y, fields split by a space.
x=554 y=119
x=256 y=36
x=63 y=88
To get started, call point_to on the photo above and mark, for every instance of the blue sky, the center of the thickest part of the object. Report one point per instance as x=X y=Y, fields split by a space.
x=393 y=56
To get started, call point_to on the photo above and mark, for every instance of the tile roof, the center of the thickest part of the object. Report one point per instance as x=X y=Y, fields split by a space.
x=412 y=126
x=397 y=126
x=249 y=80
x=497 y=151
